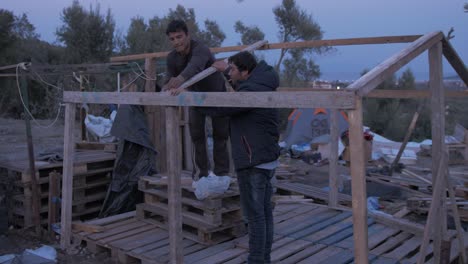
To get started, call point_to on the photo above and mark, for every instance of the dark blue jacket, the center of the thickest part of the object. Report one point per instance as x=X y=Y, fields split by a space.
x=254 y=131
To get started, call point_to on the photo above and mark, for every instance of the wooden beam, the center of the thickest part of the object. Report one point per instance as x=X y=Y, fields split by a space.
x=434 y=218
x=438 y=144
x=35 y=195
x=456 y=216
x=210 y=70
x=330 y=99
x=287 y=45
x=416 y=94
x=395 y=222
x=67 y=176
x=385 y=69
x=333 y=159
x=358 y=184
x=395 y=94
x=174 y=188
x=452 y=57
x=407 y=137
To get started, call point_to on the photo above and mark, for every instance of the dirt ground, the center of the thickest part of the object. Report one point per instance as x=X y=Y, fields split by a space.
x=13 y=147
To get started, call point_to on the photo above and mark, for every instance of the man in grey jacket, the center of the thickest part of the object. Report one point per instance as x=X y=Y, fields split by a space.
x=188 y=58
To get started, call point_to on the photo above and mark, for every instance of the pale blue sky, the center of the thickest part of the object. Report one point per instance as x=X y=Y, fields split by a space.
x=338 y=19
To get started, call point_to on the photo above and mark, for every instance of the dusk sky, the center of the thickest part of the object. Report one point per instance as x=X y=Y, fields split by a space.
x=337 y=18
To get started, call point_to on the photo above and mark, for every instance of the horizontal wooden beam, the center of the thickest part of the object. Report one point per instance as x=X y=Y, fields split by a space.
x=330 y=99
x=416 y=94
x=452 y=57
x=287 y=45
x=385 y=69
x=402 y=94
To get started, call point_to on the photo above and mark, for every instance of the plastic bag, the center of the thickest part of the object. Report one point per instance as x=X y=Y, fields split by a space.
x=211 y=185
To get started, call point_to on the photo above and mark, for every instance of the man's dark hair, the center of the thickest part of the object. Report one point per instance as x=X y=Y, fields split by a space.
x=244 y=61
x=176 y=26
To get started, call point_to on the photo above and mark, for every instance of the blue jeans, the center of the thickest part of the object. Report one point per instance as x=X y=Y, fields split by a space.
x=255 y=195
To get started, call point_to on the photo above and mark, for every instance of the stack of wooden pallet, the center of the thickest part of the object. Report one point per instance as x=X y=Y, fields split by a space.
x=209 y=221
x=92 y=175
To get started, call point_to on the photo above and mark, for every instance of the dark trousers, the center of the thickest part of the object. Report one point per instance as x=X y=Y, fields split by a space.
x=201 y=164
x=255 y=194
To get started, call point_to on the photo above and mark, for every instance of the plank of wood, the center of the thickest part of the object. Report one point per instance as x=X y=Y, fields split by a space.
x=402 y=251
x=358 y=184
x=67 y=178
x=401 y=224
x=80 y=226
x=303 y=254
x=322 y=255
x=286 y=45
x=391 y=243
x=127 y=233
x=289 y=249
x=117 y=230
x=197 y=256
x=339 y=99
x=307 y=233
x=454 y=59
x=222 y=257
x=377 y=75
x=140 y=240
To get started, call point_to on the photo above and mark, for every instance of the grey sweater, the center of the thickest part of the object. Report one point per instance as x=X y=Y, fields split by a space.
x=198 y=59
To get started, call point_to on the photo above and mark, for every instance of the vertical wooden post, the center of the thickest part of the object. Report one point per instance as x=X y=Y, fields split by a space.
x=358 y=184
x=156 y=117
x=35 y=198
x=174 y=184
x=333 y=159
x=188 y=162
x=67 y=175
x=438 y=143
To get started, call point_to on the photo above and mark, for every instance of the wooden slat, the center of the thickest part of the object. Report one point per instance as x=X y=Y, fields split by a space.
x=385 y=69
x=333 y=159
x=210 y=70
x=438 y=145
x=174 y=189
x=457 y=63
x=394 y=94
x=331 y=99
x=358 y=184
x=67 y=178
x=287 y=45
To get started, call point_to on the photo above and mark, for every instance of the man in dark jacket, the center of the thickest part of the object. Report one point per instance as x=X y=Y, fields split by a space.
x=188 y=58
x=255 y=151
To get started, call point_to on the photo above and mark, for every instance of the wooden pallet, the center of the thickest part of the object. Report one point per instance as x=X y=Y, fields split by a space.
x=92 y=175
x=208 y=221
x=213 y=211
x=304 y=233
x=319 y=195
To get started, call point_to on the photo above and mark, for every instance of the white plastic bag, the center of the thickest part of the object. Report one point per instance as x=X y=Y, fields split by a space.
x=211 y=185
x=100 y=127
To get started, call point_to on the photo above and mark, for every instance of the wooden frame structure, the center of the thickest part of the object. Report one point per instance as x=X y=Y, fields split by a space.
x=349 y=99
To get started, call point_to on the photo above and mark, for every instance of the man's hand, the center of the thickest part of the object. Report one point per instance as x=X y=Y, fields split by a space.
x=220 y=65
x=175 y=82
x=177 y=91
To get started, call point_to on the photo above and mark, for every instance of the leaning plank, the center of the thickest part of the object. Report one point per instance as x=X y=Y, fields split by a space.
x=452 y=56
x=208 y=71
x=329 y=99
x=385 y=69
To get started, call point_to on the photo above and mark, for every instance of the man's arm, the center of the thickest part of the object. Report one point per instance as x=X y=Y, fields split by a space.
x=201 y=55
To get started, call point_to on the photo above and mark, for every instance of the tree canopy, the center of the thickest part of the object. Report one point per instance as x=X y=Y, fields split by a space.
x=296 y=24
x=88 y=35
